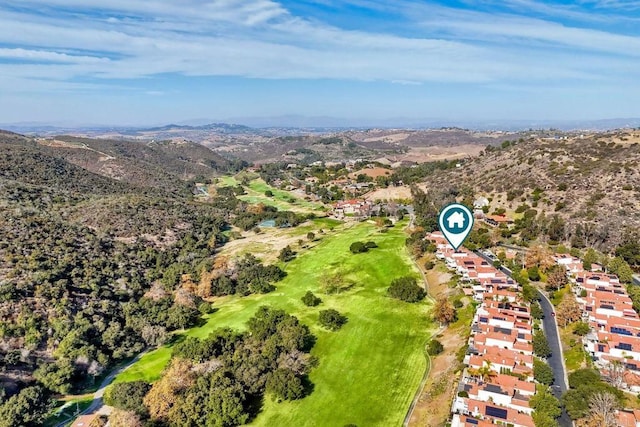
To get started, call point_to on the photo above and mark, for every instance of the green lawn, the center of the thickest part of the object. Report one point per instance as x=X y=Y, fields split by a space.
x=281 y=199
x=574 y=354
x=371 y=368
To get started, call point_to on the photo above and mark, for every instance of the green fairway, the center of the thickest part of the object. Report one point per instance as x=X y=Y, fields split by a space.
x=281 y=199
x=369 y=370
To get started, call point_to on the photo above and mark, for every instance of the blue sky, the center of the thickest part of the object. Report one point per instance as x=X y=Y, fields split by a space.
x=135 y=62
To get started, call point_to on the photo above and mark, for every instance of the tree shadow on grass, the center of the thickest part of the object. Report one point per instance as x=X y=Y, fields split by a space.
x=307 y=385
x=253 y=405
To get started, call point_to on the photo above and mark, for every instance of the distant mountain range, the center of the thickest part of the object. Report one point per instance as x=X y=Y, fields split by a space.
x=305 y=124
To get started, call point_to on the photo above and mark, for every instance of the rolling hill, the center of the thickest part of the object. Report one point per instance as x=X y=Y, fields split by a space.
x=591 y=181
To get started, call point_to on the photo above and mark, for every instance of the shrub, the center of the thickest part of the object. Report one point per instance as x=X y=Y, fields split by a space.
x=310 y=300
x=358 y=247
x=406 y=289
x=458 y=304
x=268 y=193
x=463 y=394
x=332 y=319
x=435 y=347
x=370 y=245
x=581 y=329
x=429 y=265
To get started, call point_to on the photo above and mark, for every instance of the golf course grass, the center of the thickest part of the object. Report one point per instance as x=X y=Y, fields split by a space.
x=281 y=199
x=369 y=370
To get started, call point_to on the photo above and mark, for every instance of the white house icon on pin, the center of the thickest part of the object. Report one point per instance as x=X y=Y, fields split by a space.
x=456 y=220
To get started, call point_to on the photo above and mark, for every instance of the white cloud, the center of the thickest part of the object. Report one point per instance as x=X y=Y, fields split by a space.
x=260 y=38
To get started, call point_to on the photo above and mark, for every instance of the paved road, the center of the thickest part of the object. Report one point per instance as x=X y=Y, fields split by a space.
x=556 y=361
x=97 y=403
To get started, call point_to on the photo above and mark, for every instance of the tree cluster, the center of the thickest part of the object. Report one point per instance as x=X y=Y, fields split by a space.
x=584 y=385
x=216 y=381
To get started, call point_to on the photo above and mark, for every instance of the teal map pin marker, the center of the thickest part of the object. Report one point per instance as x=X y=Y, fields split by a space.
x=456 y=222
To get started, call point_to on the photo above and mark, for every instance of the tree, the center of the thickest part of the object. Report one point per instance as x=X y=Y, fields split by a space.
x=569 y=311
x=619 y=267
x=435 y=347
x=165 y=392
x=584 y=384
x=332 y=319
x=590 y=257
x=286 y=254
x=555 y=229
x=444 y=312
x=630 y=252
x=284 y=384
x=216 y=399
x=29 y=407
x=310 y=300
x=539 y=256
x=603 y=408
x=546 y=408
x=128 y=396
x=56 y=376
x=155 y=336
x=120 y=418
x=333 y=283
x=311 y=236
x=486 y=372
x=268 y=193
x=406 y=289
x=557 y=278
x=529 y=293
x=615 y=373
x=536 y=311
x=533 y=273
x=542 y=372
x=541 y=345
x=358 y=247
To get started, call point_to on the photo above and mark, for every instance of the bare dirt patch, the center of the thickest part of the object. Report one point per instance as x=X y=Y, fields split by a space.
x=371 y=172
x=430 y=154
x=390 y=193
x=434 y=403
x=267 y=244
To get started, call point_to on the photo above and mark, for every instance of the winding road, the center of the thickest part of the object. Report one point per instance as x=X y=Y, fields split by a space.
x=97 y=403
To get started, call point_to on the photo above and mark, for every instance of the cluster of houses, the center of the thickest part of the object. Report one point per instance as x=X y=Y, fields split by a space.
x=497 y=383
x=614 y=340
x=359 y=209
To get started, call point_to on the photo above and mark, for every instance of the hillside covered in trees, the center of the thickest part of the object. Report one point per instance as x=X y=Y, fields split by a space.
x=93 y=269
